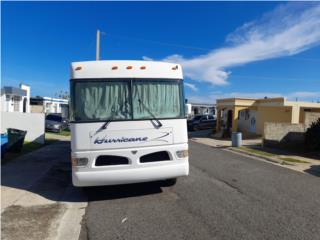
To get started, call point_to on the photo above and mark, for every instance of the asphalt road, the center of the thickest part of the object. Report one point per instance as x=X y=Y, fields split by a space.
x=226 y=196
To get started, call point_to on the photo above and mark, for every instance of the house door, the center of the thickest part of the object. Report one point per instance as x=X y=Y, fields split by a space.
x=229 y=120
x=24 y=105
x=253 y=121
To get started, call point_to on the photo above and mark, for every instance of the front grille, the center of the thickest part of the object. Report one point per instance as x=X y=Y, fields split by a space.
x=108 y=160
x=155 y=157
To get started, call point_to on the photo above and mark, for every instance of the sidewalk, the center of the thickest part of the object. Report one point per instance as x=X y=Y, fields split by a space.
x=38 y=199
x=252 y=148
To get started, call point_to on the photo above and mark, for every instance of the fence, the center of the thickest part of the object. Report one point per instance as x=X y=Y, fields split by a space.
x=33 y=123
x=283 y=134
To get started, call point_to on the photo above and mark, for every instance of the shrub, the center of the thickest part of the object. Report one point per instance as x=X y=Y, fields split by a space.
x=312 y=137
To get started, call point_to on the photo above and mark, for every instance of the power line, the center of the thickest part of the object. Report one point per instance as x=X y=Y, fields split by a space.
x=158 y=42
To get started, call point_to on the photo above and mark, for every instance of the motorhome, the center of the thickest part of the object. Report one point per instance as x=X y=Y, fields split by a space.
x=127 y=121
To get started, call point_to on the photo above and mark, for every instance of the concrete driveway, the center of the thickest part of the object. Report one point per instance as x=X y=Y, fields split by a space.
x=38 y=200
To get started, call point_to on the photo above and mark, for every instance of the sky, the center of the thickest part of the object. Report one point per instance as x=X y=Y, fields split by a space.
x=226 y=49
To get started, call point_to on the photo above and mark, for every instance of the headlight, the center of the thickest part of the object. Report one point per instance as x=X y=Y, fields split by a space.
x=56 y=125
x=79 y=162
x=182 y=153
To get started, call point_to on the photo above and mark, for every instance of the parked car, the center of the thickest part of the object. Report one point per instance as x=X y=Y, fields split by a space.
x=56 y=123
x=201 y=122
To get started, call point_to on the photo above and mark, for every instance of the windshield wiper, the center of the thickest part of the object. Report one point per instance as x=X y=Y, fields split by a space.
x=152 y=115
x=105 y=125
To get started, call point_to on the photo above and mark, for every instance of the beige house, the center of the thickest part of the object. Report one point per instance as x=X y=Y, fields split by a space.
x=249 y=115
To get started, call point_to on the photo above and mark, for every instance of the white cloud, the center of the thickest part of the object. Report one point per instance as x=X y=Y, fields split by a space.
x=145 y=58
x=191 y=86
x=289 y=29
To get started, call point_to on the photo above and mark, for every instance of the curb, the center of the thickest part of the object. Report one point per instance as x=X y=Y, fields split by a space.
x=273 y=160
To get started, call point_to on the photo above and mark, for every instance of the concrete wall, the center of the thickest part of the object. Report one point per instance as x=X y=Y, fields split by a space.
x=37 y=108
x=304 y=111
x=310 y=117
x=33 y=123
x=272 y=114
x=283 y=134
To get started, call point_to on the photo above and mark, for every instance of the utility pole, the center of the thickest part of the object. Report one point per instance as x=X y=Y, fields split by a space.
x=98 y=46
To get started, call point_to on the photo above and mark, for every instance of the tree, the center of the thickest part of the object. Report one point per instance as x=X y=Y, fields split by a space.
x=312 y=136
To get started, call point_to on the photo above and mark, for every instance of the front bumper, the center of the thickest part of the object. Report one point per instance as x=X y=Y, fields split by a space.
x=134 y=172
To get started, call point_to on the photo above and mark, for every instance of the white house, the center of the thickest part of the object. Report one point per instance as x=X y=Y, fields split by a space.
x=15 y=99
x=193 y=109
x=50 y=105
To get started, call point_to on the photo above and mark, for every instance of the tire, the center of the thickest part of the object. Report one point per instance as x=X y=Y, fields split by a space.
x=170 y=182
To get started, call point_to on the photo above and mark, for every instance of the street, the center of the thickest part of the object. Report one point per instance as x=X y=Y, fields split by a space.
x=226 y=196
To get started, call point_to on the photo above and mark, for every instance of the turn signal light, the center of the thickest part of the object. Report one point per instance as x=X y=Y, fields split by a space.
x=79 y=162
x=129 y=67
x=182 y=153
x=142 y=67
x=78 y=68
x=114 y=68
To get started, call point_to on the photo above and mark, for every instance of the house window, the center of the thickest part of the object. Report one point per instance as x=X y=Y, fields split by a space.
x=241 y=114
x=16 y=103
x=247 y=114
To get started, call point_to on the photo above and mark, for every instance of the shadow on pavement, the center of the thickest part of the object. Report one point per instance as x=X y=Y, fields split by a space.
x=122 y=191
x=45 y=172
x=314 y=170
x=288 y=152
x=200 y=133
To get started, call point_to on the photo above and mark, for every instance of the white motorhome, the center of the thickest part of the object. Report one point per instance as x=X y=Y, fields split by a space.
x=127 y=121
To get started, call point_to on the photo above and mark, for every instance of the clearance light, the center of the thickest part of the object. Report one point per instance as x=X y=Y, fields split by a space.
x=182 y=153
x=143 y=67
x=78 y=68
x=114 y=68
x=175 y=67
x=79 y=162
x=129 y=67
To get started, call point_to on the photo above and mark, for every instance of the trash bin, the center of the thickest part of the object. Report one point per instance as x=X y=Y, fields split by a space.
x=15 y=139
x=4 y=143
x=236 y=139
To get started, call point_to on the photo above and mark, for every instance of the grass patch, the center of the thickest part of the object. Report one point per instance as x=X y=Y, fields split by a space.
x=62 y=133
x=293 y=160
x=258 y=152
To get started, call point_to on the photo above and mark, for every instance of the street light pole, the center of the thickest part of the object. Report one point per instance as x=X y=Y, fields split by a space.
x=98 y=46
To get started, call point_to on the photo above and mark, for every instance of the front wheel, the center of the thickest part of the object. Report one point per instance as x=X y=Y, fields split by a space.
x=170 y=182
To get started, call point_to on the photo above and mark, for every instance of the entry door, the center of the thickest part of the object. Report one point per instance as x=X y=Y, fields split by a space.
x=253 y=121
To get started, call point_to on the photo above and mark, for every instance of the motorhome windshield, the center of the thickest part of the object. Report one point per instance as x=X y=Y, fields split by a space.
x=127 y=99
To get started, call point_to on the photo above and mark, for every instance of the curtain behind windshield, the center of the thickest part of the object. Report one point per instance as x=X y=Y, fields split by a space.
x=102 y=100
x=161 y=98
